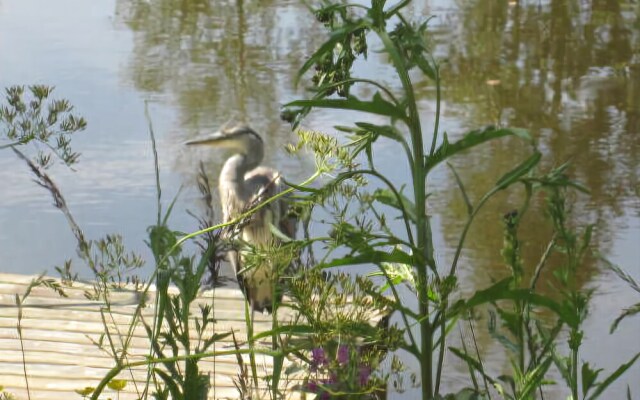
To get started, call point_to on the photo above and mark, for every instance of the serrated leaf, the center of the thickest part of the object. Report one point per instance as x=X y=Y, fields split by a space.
x=377 y=105
x=337 y=35
x=589 y=377
x=613 y=377
x=372 y=257
x=501 y=290
x=472 y=139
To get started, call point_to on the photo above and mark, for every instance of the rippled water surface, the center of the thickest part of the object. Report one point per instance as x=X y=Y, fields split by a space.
x=567 y=71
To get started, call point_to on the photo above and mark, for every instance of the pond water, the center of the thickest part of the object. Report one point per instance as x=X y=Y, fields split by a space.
x=567 y=71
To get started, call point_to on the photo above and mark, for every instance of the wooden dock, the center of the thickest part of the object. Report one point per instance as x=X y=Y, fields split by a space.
x=58 y=353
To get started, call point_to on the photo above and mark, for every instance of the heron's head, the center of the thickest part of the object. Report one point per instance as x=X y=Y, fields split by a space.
x=239 y=138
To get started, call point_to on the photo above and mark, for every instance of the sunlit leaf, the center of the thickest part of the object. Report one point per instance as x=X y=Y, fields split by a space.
x=396 y=273
x=372 y=257
x=86 y=391
x=534 y=379
x=117 y=384
x=472 y=139
x=377 y=105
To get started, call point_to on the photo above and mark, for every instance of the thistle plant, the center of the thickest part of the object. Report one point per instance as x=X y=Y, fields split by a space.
x=371 y=241
x=341 y=335
x=533 y=345
x=405 y=259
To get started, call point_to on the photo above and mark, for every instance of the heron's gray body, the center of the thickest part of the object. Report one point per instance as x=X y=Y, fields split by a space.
x=258 y=184
x=243 y=183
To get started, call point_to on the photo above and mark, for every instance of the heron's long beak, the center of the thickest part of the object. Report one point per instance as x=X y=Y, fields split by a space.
x=214 y=139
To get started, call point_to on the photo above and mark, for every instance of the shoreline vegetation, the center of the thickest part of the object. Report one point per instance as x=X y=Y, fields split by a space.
x=164 y=342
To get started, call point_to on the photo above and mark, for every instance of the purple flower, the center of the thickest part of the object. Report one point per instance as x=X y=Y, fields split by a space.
x=312 y=386
x=343 y=354
x=364 y=373
x=318 y=356
x=325 y=396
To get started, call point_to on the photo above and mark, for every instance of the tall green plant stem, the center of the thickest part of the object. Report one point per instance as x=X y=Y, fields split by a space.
x=424 y=255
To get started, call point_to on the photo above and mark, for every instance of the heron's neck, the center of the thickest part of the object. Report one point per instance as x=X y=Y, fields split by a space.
x=236 y=167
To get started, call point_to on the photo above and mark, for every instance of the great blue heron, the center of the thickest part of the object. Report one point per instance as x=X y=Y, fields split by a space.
x=243 y=182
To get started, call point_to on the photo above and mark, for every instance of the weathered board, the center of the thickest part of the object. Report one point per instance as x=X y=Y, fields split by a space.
x=59 y=354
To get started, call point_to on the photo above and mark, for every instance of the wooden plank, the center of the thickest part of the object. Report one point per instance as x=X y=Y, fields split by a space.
x=59 y=338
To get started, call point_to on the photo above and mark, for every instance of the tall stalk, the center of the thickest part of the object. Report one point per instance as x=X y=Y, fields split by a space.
x=423 y=233
x=405 y=47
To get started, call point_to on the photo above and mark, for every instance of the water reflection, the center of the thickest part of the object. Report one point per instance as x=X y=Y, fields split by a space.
x=568 y=71
x=217 y=60
x=571 y=75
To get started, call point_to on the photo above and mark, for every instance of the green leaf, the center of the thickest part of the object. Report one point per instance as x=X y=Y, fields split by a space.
x=519 y=171
x=278 y=362
x=633 y=310
x=87 y=390
x=613 y=377
x=372 y=257
x=589 y=377
x=337 y=36
x=377 y=105
x=535 y=379
x=117 y=384
x=472 y=139
x=395 y=8
x=387 y=131
x=397 y=273
x=467 y=202
x=387 y=197
x=475 y=364
x=279 y=234
x=501 y=290
x=508 y=379
x=286 y=329
x=464 y=394
x=505 y=341
x=170 y=383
